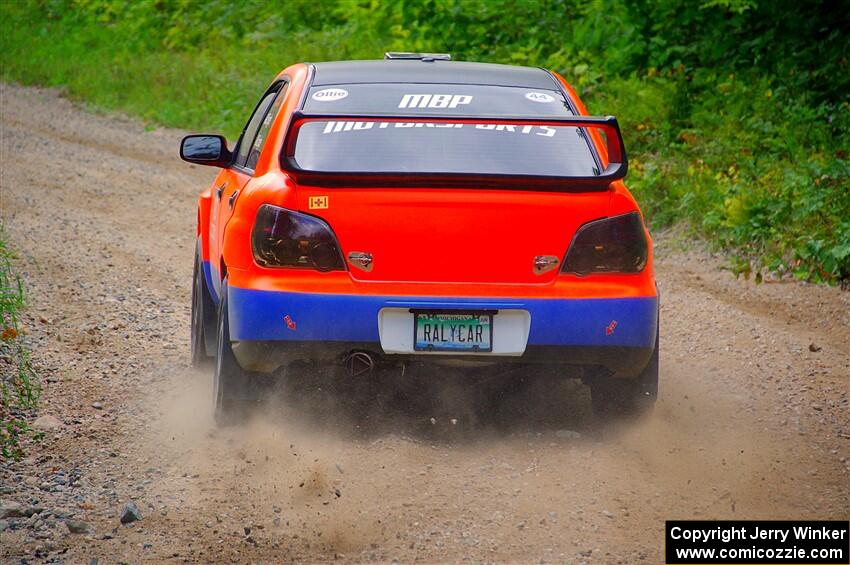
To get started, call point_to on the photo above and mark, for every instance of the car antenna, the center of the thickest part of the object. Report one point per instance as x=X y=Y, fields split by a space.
x=411 y=56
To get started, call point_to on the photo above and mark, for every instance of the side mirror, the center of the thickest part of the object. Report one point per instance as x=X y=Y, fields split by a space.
x=204 y=149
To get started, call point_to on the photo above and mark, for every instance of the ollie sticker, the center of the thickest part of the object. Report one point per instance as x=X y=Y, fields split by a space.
x=329 y=94
x=539 y=97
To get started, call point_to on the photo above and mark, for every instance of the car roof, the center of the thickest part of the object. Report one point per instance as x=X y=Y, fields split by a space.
x=430 y=72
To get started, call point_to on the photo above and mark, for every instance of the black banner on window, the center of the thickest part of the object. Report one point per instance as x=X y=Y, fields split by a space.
x=694 y=542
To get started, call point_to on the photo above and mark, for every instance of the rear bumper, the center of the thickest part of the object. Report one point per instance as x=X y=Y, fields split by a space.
x=272 y=328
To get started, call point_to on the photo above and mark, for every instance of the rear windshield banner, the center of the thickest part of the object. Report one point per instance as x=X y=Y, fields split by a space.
x=447 y=99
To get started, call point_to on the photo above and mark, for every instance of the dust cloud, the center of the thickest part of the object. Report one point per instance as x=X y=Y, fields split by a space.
x=346 y=472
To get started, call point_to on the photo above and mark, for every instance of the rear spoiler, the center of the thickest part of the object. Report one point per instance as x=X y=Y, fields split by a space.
x=615 y=170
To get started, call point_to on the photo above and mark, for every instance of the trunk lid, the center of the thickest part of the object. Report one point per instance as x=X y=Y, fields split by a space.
x=453 y=235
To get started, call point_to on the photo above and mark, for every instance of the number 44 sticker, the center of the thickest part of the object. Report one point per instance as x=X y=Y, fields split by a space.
x=539 y=97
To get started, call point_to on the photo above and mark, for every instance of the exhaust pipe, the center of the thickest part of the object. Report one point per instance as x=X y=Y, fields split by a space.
x=359 y=363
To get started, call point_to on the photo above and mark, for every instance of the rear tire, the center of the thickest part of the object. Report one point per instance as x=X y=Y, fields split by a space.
x=613 y=397
x=202 y=336
x=235 y=390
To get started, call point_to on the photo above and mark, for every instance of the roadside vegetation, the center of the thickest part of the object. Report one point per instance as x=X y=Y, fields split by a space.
x=736 y=113
x=19 y=388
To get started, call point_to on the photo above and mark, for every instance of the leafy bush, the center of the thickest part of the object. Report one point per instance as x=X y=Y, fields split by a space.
x=735 y=111
x=19 y=390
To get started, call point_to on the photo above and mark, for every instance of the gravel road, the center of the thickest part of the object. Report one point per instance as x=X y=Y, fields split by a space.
x=753 y=420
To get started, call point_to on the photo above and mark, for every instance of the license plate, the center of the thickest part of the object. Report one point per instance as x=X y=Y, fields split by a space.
x=458 y=332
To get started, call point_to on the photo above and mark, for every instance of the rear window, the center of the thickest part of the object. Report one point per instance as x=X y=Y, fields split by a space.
x=423 y=146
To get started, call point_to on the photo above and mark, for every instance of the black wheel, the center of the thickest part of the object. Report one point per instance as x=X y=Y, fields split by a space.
x=235 y=390
x=202 y=339
x=614 y=397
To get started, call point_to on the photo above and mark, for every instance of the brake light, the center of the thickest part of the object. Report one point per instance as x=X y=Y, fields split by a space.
x=609 y=245
x=283 y=238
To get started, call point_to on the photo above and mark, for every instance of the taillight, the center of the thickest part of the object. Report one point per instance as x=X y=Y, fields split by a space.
x=283 y=238
x=609 y=245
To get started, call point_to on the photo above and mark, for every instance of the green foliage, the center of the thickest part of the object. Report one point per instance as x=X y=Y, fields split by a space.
x=19 y=389
x=735 y=112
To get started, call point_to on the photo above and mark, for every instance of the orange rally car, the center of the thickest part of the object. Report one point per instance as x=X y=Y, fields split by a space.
x=420 y=211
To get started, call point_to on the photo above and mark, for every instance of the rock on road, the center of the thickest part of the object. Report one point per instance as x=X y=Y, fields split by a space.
x=752 y=421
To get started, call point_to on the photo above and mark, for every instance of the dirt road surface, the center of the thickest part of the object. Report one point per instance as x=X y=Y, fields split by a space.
x=752 y=421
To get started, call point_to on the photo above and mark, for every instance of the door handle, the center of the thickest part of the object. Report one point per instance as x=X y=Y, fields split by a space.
x=219 y=190
x=232 y=198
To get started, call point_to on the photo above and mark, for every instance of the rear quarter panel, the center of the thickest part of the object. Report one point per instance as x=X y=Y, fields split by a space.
x=268 y=185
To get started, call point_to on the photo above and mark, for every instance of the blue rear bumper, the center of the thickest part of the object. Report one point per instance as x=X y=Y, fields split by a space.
x=257 y=315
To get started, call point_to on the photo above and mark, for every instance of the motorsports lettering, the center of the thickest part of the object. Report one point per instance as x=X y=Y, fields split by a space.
x=336 y=127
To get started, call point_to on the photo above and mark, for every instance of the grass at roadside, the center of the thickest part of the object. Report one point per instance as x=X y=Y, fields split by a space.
x=755 y=158
x=19 y=388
